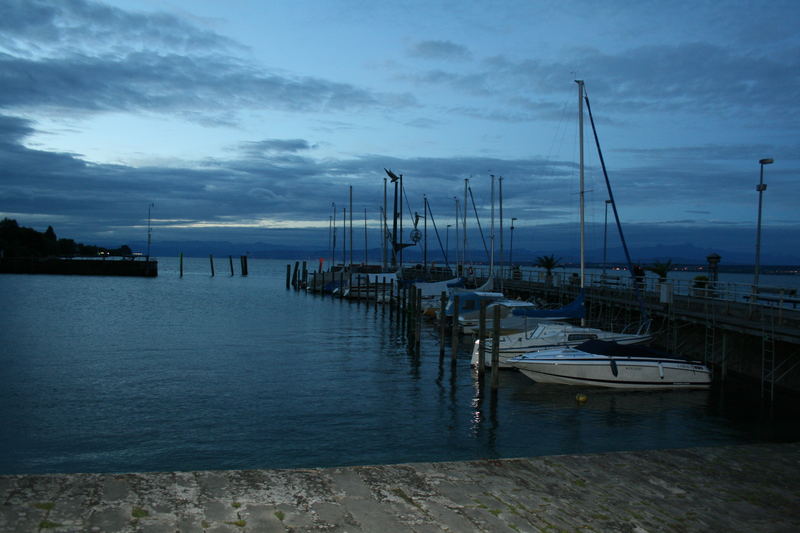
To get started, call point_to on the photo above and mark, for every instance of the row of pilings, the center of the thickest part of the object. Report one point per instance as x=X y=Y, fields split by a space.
x=406 y=306
x=752 y=343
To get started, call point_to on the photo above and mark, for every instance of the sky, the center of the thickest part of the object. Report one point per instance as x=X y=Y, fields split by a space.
x=247 y=121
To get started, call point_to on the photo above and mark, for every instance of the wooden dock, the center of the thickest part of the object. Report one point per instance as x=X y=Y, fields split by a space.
x=742 y=335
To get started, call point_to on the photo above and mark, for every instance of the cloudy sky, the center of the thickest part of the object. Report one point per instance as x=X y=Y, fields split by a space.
x=246 y=120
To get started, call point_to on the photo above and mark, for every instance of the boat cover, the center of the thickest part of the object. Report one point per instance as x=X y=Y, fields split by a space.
x=615 y=349
x=574 y=309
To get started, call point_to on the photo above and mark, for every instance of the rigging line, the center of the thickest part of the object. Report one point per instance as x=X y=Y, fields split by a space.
x=638 y=289
x=480 y=229
x=438 y=238
x=408 y=206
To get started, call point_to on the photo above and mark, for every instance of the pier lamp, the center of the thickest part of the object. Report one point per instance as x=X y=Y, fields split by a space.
x=713 y=267
x=761 y=187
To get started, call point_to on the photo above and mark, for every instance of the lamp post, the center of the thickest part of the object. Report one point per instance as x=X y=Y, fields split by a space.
x=149 y=231
x=511 y=245
x=761 y=187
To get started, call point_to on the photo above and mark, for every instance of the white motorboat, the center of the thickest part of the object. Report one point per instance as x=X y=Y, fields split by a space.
x=609 y=364
x=550 y=335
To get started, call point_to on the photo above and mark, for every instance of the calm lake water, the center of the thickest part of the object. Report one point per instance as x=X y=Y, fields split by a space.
x=128 y=374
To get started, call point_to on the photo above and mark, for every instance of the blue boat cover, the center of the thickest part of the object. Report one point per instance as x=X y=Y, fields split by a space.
x=574 y=309
x=614 y=349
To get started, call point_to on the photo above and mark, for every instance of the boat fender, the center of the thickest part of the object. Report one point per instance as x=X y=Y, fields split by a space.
x=614 y=369
x=660 y=370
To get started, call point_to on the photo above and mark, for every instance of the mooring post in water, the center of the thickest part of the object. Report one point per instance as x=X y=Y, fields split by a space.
x=230 y=259
x=442 y=330
x=454 y=327
x=358 y=294
x=390 y=303
x=341 y=284
x=304 y=278
x=211 y=261
x=496 y=348
x=295 y=275
x=288 y=275
x=409 y=313
x=482 y=338
x=418 y=306
x=181 y=264
x=244 y=265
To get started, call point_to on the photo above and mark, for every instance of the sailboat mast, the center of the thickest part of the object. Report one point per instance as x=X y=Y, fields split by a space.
x=581 y=194
x=502 y=256
x=581 y=166
x=383 y=228
x=491 y=235
x=464 y=226
x=351 y=226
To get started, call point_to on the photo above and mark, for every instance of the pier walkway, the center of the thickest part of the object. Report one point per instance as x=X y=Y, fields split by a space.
x=736 y=488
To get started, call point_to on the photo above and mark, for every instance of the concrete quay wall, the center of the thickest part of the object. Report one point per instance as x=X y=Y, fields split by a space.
x=734 y=488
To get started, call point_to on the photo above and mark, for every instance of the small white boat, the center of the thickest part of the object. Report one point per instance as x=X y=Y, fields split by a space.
x=550 y=335
x=609 y=364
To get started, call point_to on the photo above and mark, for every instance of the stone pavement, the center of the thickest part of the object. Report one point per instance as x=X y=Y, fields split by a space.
x=749 y=488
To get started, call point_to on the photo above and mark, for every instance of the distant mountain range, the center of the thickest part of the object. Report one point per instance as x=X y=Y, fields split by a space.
x=687 y=254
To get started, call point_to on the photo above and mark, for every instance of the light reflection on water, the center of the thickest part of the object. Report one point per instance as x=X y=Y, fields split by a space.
x=117 y=374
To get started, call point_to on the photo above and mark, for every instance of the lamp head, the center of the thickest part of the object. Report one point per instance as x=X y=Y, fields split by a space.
x=766 y=161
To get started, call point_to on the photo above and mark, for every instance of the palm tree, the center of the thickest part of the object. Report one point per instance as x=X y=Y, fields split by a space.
x=548 y=262
x=661 y=269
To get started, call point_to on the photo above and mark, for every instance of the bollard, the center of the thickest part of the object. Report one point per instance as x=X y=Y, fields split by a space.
x=442 y=303
x=211 y=260
x=482 y=339
x=454 y=323
x=181 y=264
x=496 y=348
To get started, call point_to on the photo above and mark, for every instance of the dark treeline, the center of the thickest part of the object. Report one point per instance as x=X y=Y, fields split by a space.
x=19 y=241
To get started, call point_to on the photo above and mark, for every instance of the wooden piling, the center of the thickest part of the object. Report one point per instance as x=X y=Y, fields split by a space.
x=211 y=261
x=295 y=274
x=304 y=277
x=454 y=322
x=442 y=323
x=230 y=259
x=392 y=299
x=181 y=265
x=418 y=308
x=288 y=275
x=496 y=348
x=244 y=265
x=482 y=338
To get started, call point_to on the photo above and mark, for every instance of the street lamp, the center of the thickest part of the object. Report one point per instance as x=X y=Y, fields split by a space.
x=761 y=187
x=511 y=247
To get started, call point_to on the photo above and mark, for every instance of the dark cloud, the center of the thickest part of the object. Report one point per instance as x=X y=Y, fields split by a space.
x=440 y=50
x=276 y=146
x=86 y=57
x=39 y=27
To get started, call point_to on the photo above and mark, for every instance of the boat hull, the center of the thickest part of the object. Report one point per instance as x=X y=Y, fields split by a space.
x=625 y=373
x=537 y=345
